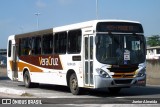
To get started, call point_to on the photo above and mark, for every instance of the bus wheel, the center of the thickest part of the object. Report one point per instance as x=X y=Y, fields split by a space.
x=73 y=84
x=27 y=80
x=114 y=90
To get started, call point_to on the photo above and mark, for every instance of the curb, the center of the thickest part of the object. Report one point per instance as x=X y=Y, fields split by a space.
x=150 y=85
x=7 y=90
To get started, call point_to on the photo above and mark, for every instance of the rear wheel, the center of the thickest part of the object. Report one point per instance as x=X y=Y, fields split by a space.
x=27 y=81
x=73 y=84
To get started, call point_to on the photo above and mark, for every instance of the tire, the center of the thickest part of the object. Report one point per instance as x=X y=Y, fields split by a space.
x=114 y=90
x=27 y=81
x=73 y=84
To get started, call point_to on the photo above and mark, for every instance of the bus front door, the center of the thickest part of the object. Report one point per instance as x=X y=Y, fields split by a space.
x=88 y=60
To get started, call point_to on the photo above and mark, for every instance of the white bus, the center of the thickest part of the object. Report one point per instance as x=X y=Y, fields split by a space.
x=94 y=54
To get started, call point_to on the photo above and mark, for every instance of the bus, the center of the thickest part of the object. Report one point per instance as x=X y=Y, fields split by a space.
x=95 y=54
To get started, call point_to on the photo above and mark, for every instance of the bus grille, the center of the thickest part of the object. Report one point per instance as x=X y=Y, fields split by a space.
x=128 y=81
x=123 y=71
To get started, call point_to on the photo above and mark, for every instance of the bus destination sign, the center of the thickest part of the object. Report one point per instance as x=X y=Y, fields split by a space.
x=123 y=27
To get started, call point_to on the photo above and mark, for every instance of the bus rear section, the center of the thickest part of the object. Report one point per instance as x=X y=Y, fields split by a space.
x=12 y=70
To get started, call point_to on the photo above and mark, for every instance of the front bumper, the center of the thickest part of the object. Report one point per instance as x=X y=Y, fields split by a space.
x=122 y=82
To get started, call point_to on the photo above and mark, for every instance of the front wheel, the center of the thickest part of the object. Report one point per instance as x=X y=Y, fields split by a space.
x=73 y=84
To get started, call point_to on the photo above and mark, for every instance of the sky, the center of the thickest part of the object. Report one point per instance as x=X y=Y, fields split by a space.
x=18 y=16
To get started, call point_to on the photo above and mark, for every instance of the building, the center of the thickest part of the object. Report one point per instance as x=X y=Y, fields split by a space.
x=153 y=52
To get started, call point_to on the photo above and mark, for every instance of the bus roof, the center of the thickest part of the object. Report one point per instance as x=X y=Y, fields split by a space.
x=40 y=32
x=86 y=24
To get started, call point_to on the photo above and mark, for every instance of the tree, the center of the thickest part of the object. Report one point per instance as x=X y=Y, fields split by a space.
x=153 y=40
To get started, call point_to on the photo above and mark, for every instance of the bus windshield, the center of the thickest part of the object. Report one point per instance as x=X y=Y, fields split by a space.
x=120 y=49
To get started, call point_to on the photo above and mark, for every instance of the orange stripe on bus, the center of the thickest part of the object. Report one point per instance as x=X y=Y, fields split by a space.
x=22 y=65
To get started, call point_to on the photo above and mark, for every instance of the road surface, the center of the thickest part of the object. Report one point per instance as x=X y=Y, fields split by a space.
x=56 y=92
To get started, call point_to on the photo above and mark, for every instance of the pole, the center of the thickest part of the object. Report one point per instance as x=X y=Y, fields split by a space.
x=96 y=9
x=37 y=14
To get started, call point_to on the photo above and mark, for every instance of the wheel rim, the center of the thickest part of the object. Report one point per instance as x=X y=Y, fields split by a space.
x=74 y=84
x=26 y=80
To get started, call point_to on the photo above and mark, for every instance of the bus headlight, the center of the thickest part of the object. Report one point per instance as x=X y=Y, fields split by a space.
x=102 y=73
x=142 y=73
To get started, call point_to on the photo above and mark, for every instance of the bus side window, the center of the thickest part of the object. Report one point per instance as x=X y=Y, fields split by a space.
x=74 y=41
x=36 y=45
x=9 y=48
x=60 y=40
x=47 y=44
x=25 y=46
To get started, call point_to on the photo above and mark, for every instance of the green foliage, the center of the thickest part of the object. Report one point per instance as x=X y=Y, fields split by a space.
x=153 y=40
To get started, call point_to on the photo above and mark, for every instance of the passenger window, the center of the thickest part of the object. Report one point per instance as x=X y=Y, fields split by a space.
x=60 y=42
x=36 y=45
x=47 y=44
x=74 y=41
x=25 y=46
x=9 y=48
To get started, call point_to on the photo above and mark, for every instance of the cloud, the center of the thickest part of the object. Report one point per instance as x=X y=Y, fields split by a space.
x=41 y=4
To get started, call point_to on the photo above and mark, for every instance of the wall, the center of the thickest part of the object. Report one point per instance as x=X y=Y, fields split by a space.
x=153 y=72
